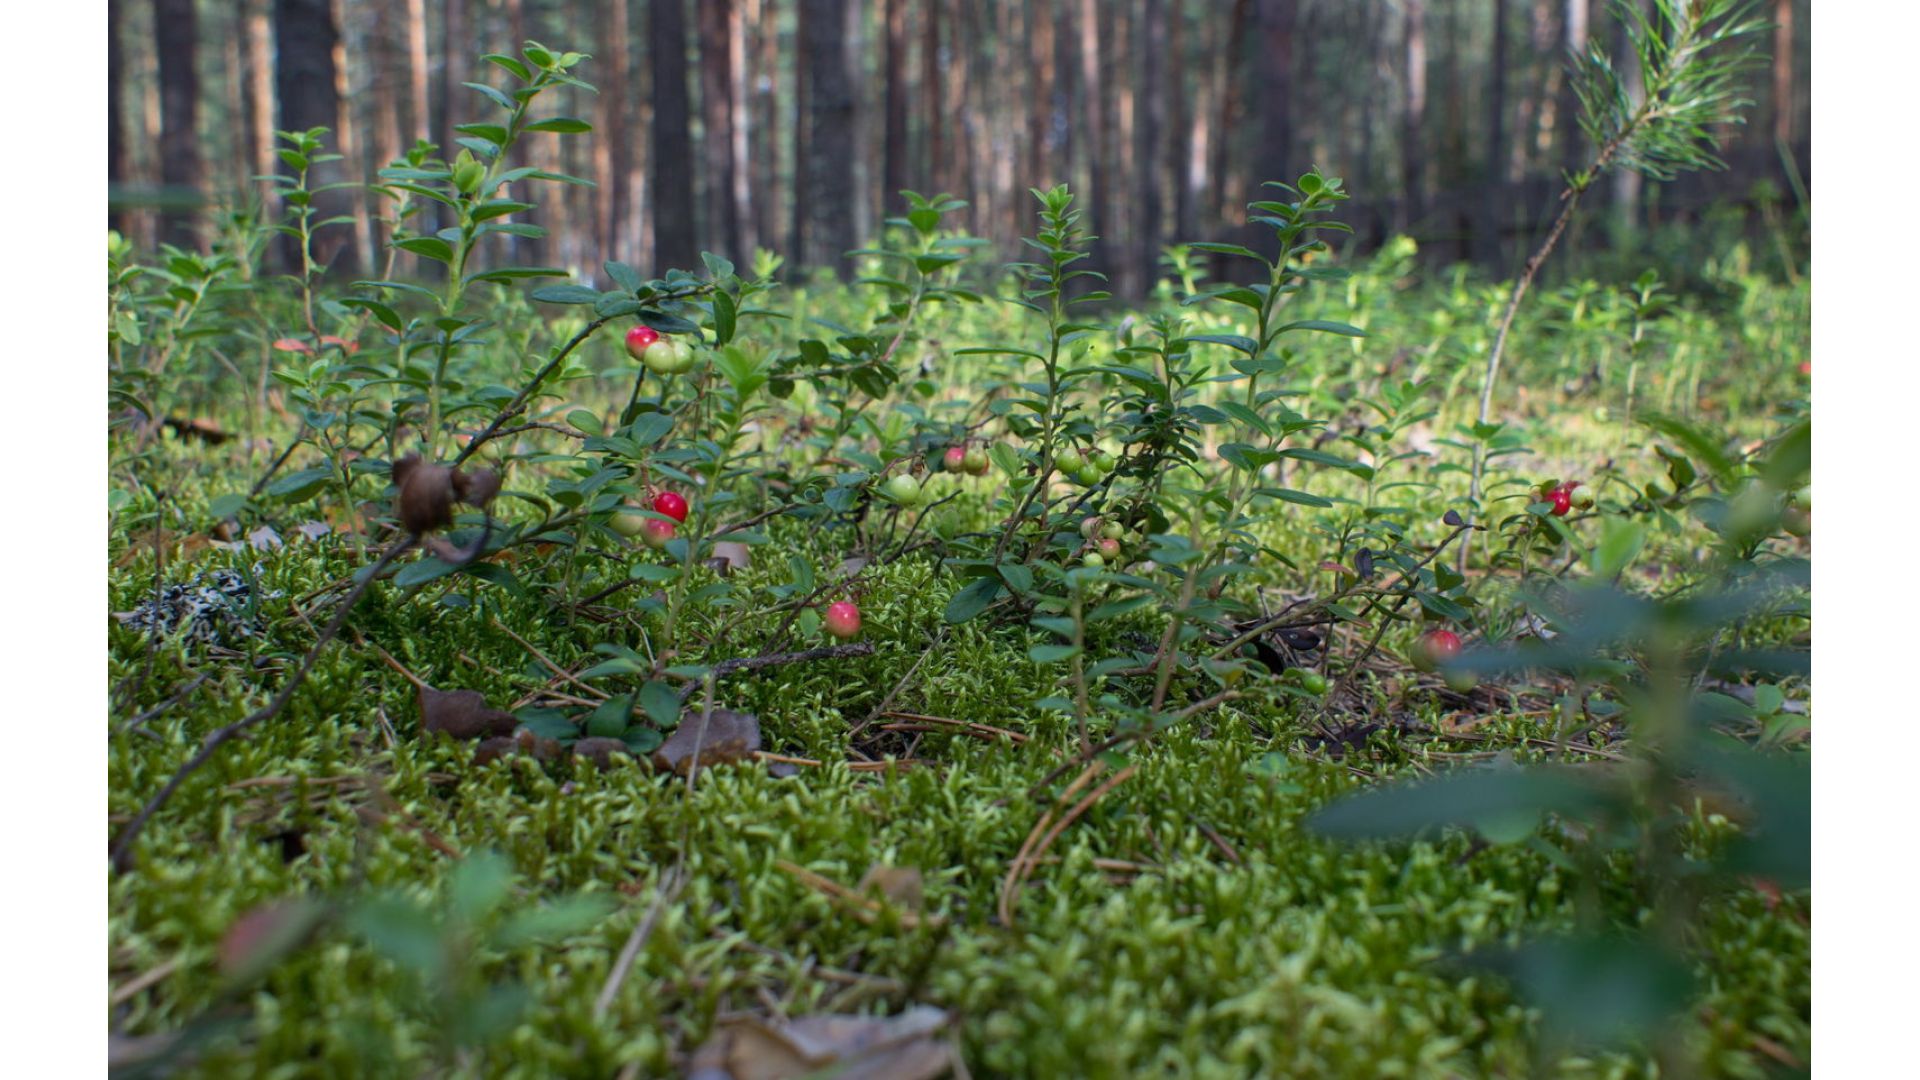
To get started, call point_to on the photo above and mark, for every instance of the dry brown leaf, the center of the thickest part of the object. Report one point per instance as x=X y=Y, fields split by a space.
x=900 y=885
x=729 y=737
x=463 y=714
x=603 y=752
x=903 y=1047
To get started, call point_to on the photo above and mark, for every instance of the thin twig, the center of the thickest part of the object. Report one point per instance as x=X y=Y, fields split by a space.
x=755 y=663
x=669 y=890
x=165 y=705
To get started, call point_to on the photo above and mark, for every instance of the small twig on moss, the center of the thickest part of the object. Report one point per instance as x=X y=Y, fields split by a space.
x=755 y=663
x=178 y=696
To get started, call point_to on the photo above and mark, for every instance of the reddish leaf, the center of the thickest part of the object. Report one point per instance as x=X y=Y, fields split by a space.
x=258 y=939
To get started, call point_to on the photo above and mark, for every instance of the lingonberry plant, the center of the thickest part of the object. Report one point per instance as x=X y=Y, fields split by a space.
x=1219 y=521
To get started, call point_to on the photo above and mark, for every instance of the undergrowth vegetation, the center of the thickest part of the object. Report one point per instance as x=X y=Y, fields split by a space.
x=1204 y=687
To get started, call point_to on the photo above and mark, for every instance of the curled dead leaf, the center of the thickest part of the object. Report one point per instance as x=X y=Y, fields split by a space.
x=726 y=736
x=603 y=752
x=463 y=714
x=909 y=1046
x=900 y=885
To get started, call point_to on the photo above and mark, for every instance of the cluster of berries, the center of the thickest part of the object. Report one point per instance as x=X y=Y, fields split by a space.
x=1104 y=538
x=1565 y=497
x=1087 y=468
x=652 y=530
x=662 y=356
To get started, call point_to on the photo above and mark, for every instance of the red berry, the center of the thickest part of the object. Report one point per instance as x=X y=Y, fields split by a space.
x=656 y=532
x=639 y=338
x=671 y=504
x=955 y=458
x=1109 y=548
x=842 y=620
x=1433 y=648
x=1562 y=500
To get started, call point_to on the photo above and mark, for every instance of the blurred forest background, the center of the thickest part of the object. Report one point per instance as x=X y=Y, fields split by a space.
x=731 y=125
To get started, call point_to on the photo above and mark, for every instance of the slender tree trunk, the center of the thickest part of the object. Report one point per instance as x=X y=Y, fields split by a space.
x=256 y=60
x=455 y=56
x=739 y=124
x=1181 y=133
x=829 y=147
x=1042 y=169
x=307 y=89
x=1783 y=73
x=236 y=156
x=116 y=117
x=1493 y=188
x=766 y=163
x=716 y=136
x=349 y=140
x=1573 y=27
x=674 y=245
x=958 y=174
x=1115 y=37
x=1065 y=149
x=419 y=119
x=932 y=85
x=1274 y=88
x=894 y=166
x=613 y=147
x=1228 y=192
x=1150 y=34
x=1533 y=123
x=802 y=86
x=389 y=72
x=1094 y=101
x=175 y=35
x=1627 y=184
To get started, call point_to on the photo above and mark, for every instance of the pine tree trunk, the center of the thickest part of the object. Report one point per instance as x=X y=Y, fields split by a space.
x=1093 y=203
x=740 y=123
x=829 y=148
x=766 y=162
x=674 y=244
x=894 y=166
x=1150 y=31
x=1783 y=73
x=175 y=35
x=116 y=118
x=1573 y=28
x=1041 y=169
x=307 y=90
x=455 y=57
x=613 y=145
x=419 y=119
x=932 y=85
x=1493 y=195
x=716 y=136
x=1181 y=135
